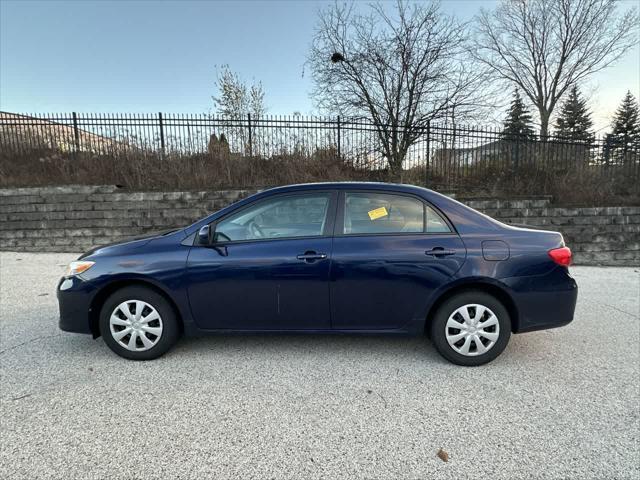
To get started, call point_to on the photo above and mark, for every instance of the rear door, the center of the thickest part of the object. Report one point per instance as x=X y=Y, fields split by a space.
x=269 y=269
x=390 y=252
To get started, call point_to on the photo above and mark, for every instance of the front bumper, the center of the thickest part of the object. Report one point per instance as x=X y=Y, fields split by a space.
x=544 y=301
x=74 y=301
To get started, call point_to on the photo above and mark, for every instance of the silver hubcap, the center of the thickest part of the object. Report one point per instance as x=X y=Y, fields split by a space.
x=472 y=330
x=135 y=325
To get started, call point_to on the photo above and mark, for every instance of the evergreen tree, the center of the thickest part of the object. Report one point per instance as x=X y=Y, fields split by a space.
x=574 y=121
x=518 y=125
x=626 y=124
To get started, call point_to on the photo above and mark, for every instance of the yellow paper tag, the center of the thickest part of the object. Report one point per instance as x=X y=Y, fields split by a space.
x=377 y=213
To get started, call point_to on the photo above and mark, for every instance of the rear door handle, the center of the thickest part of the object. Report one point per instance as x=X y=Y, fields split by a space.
x=440 y=252
x=311 y=256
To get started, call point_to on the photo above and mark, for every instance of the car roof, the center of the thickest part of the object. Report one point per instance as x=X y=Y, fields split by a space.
x=396 y=187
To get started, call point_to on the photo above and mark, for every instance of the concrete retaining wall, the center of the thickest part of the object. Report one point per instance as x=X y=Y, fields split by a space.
x=75 y=218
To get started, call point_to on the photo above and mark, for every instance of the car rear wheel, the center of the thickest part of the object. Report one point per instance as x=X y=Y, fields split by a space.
x=471 y=328
x=138 y=323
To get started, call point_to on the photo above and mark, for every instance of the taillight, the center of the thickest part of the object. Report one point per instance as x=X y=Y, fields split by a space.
x=562 y=256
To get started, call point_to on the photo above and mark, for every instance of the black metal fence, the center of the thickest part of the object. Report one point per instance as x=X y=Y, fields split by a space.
x=446 y=156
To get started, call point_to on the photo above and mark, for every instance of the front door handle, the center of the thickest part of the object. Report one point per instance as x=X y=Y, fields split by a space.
x=311 y=256
x=440 y=252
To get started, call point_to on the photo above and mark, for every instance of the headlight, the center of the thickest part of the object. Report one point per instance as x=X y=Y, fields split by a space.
x=76 y=268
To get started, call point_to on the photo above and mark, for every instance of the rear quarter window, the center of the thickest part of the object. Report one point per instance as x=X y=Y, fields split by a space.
x=435 y=223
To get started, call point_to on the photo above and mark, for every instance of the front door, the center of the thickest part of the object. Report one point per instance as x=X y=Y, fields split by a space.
x=390 y=253
x=269 y=267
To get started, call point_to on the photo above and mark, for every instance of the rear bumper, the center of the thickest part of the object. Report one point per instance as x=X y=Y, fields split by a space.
x=74 y=301
x=544 y=301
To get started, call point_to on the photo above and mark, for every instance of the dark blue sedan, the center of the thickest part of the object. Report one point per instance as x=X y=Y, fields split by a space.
x=327 y=258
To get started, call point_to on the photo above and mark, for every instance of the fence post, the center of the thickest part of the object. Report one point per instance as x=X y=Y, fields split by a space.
x=339 y=140
x=426 y=165
x=161 y=133
x=250 y=135
x=76 y=133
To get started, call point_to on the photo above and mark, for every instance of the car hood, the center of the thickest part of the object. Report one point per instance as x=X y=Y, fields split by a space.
x=129 y=244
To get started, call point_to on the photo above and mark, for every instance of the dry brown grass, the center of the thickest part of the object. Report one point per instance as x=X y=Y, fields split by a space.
x=176 y=172
x=139 y=171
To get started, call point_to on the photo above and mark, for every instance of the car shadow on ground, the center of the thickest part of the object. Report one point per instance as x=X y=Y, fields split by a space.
x=308 y=344
x=269 y=345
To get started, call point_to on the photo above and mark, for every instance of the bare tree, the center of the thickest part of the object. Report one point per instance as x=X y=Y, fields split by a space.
x=546 y=46
x=235 y=99
x=400 y=70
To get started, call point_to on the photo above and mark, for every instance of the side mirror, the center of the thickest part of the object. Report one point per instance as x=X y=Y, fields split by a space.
x=204 y=235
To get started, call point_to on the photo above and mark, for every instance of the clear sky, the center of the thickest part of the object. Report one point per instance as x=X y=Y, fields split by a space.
x=149 y=56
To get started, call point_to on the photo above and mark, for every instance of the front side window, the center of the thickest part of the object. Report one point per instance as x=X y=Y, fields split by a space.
x=280 y=217
x=369 y=213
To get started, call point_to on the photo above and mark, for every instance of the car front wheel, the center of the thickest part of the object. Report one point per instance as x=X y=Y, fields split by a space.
x=138 y=323
x=471 y=328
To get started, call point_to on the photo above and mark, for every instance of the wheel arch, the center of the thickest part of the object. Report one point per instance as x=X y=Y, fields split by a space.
x=489 y=286
x=107 y=290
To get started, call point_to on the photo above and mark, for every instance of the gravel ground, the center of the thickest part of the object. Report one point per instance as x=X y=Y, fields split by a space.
x=557 y=404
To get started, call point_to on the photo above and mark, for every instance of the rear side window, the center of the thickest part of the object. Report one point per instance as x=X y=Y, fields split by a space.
x=368 y=213
x=371 y=213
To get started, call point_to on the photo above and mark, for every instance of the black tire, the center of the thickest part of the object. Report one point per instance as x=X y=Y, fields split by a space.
x=170 y=325
x=439 y=328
